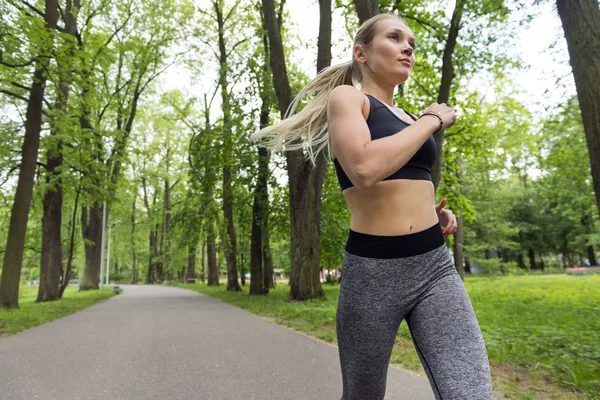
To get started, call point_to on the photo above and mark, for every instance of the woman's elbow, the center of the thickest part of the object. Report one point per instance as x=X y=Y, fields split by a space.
x=363 y=178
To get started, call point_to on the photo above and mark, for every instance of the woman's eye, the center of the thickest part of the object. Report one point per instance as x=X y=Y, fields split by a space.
x=394 y=36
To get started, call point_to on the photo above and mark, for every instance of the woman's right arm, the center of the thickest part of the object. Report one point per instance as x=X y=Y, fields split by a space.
x=367 y=161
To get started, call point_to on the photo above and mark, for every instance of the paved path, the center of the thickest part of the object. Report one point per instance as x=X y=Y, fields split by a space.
x=154 y=342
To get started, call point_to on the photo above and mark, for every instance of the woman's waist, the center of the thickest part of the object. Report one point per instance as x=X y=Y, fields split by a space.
x=395 y=207
x=393 y=222
x=395 y=246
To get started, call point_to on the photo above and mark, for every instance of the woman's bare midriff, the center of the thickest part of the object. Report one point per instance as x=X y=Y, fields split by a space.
x=391 y=208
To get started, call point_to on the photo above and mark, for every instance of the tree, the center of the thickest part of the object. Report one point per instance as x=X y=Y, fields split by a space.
x=227 y=156
x=51 y=260
x=13 y=256
x=261 y=264
x=203 y=160
x=366 y=9
x=446 y=82
x=124 y=64
x=581 y=24
x=566 y=185
x=305 y=183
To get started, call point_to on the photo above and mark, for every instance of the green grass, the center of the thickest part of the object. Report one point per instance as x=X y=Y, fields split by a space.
x=547 y=326
x=30 y=313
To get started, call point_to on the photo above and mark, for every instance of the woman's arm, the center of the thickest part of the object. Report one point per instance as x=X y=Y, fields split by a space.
x=369 y=161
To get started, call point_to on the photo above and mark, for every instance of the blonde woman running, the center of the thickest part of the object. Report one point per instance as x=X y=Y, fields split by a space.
x=396 y=265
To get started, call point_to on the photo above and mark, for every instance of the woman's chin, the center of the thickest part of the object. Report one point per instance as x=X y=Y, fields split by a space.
x=400 y=79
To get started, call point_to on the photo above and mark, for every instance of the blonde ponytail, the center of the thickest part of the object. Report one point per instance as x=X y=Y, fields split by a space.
x=311 y=122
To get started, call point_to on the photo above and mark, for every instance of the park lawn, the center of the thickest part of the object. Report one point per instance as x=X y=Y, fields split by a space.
x=542 y=332
x=30 y=313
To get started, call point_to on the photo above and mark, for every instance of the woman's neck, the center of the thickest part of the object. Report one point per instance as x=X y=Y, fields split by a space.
x=385 y=94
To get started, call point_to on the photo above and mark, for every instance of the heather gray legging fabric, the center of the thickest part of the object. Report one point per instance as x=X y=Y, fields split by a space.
x=425 y=289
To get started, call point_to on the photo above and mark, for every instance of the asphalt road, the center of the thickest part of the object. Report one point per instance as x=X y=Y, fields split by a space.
x=154 y=342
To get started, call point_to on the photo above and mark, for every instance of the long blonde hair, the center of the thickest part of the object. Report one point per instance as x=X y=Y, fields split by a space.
x=310 y=123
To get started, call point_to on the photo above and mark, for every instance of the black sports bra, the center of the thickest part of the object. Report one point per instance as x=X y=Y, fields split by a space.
x=384 y=122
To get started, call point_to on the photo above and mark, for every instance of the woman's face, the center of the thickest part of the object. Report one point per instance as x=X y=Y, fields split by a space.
x=391 y=53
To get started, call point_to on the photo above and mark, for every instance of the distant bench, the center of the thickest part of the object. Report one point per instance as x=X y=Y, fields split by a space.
x=583 y=270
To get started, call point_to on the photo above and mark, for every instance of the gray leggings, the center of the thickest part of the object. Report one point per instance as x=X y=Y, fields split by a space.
x=415 y=280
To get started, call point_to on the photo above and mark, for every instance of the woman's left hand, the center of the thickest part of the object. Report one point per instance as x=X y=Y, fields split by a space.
x=446 y=217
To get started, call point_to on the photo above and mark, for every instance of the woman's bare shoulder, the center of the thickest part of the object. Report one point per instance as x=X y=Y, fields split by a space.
x=347 y=98
x=345 y=92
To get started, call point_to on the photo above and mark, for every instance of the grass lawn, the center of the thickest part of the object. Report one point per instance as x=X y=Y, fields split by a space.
x=542 y=332
x=30 y=313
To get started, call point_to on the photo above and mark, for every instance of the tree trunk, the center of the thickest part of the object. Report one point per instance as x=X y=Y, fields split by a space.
x=324 y=39
x=154 y=274
x=467 y=266
x=156 y=260
x=305 y=184
x=91 y=224
x=305 y=206
x=259 y=209
x=520 y=261
x=531 y=253
x=191 y=267
x=581 y=24
x=230 y=247
x=267 y=259
x=306 y=187
x=67 y=275
x=447 y=77
x=241 y=263
x=211 y=253
x=150 y=271
x=458 y=245
x=202 y=276
x=92 y=232
x=366 y=9
x=458 y=235
x=134 y=276
x=259 y=282
x=167 y=226
x=15 y=243
x=51 y=258
x=591 y=255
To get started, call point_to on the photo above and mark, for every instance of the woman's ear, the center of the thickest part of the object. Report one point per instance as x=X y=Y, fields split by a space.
x=359 y=54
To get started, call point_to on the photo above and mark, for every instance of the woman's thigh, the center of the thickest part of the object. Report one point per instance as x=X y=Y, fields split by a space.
x=449 y=342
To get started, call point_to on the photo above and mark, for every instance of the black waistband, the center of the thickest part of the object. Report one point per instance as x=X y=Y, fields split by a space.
x=375 y=246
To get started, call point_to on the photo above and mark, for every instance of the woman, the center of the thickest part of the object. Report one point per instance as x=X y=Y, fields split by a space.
x=396 y=265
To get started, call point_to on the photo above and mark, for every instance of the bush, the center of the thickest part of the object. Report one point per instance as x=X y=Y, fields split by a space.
x=495 y=266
